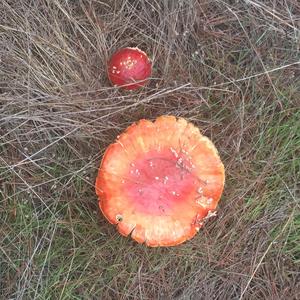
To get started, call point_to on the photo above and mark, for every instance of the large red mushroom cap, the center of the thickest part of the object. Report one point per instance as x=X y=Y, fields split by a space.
x=129 y=68
x=159 y=181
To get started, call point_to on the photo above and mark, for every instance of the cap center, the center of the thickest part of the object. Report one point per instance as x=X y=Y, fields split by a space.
x=160 y=180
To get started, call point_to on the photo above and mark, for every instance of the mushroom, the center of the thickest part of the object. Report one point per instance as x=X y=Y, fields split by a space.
x=160 y=181
x=129 y=68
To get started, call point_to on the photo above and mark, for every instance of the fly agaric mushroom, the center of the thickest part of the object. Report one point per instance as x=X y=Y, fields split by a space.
x=129 y=68
x=160 y=181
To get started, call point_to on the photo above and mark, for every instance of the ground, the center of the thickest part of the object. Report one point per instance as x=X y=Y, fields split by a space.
x=230 y=67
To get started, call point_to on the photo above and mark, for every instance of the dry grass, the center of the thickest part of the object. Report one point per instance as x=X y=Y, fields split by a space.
x=231 y=67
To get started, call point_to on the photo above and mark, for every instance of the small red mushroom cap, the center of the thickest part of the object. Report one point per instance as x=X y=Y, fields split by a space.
x=160 y=181
x=129 y=68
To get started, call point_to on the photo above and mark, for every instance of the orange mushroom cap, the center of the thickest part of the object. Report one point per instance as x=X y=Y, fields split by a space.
x=129 y=68
x=159 y=181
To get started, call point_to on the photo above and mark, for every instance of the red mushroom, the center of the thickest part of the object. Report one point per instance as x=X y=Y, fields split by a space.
x=160 y=181
x=129 y=68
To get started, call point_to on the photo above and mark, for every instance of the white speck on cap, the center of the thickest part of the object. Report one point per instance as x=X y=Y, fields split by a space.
x=166 y=179
x=180 y=160
x=174 y=152
x=211 y=214
x=209 y=200
x=139 y=50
